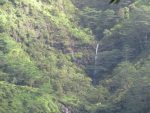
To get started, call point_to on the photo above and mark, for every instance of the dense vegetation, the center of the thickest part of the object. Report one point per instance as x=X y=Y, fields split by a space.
x=74 y=56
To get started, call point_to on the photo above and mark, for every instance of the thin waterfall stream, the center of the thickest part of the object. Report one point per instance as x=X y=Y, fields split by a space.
x=95 y=60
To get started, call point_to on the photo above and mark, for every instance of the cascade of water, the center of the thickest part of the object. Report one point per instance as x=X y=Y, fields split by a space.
x=96 y=56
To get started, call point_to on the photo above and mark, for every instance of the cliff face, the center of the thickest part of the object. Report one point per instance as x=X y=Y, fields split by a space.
x=51 y=51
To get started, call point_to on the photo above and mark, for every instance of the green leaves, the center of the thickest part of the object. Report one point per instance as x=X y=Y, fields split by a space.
x=16 y=99
x=19 y=65
x=2 y=2
x=42 y=45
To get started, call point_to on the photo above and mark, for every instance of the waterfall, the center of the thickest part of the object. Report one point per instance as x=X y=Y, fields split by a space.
x=95 y=61
x=96 y=51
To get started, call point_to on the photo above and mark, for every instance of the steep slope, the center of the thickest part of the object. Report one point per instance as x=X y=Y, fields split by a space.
x=122 y=55
x=51 y=51
x=16 y=99
x=41 y=46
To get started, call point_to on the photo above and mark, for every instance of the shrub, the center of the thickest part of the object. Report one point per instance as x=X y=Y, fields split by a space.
x=2 y=2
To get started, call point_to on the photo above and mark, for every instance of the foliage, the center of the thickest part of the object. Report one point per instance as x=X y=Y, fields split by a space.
x=47 y=45
x=2 y=2
x=15 y=99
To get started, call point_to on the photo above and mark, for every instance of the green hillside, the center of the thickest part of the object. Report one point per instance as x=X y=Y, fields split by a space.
x=74 y=56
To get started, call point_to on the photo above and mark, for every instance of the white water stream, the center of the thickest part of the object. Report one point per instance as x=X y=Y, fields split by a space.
x=95 y=60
